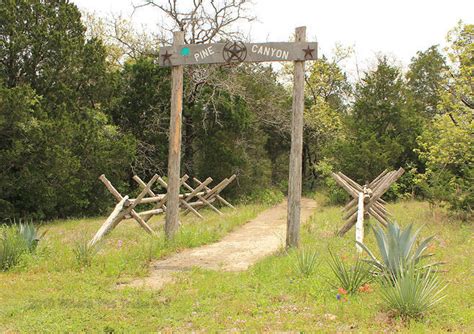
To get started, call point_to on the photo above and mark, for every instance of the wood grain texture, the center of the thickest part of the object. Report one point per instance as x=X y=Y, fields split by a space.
x=196 y=54
x=174 y=155
x=296 y=153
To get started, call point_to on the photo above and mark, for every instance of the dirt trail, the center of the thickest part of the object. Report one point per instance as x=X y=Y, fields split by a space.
x=237 y=251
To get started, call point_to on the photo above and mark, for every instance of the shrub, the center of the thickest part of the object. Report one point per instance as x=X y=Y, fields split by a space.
x=269 y=196
x=350 y=278
x=336 y=195
x=306 y=262
x=12 y=246
x=397 y=249
x=413 y=293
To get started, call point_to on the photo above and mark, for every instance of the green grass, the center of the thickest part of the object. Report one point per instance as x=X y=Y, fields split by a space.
x=49 y=292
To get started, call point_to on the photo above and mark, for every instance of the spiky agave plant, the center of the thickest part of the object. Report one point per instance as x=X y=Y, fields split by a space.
x=30 y=235
x=397 y=250
x=413 y=293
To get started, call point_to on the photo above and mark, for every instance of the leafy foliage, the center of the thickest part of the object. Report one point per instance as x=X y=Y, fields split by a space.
x=447 y=146
x=350 y=278
x=55 y=137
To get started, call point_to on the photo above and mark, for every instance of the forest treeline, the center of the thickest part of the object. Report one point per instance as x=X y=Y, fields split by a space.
x=76 y=103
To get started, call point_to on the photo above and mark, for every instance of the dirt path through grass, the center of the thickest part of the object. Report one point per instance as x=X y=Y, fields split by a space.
x=237 y=251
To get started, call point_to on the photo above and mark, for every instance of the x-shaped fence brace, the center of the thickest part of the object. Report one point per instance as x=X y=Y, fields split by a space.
x=191 y=201
x=373 y=204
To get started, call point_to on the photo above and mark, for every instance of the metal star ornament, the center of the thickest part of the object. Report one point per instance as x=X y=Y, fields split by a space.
x=166 y=57
x=308 y=52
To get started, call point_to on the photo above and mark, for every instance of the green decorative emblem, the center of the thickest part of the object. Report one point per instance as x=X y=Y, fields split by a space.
x=185 y=52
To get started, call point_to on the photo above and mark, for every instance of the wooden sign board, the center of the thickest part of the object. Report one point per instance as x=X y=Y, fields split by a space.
x=236 y=52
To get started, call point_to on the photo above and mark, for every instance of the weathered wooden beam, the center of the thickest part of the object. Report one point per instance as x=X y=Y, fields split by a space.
x=360 y=222
x=385 y=171
x=128 y=203
x=181 y=200
x=236 y=52
x=296 y=150
x=345 y=185
x=374 y=206
x=200 y=197
x=219 y=198
x=162 y=203
x=112 y=189
x=112 y=220
x=356 y=187
x=151 y=212
x=378 y=217
x=174 y=153
x=129 y=209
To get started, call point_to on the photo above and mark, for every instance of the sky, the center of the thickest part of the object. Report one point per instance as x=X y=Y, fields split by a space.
x=397 y=28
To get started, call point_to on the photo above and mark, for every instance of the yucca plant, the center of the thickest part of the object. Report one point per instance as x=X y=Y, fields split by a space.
x=29 y=233
x=84 y=253
x=397 y=250
x=413 y=293
x=350 y=278
x=306 y=262
x=12 y=246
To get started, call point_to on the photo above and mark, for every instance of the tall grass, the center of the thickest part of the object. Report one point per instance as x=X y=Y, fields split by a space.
x=15 y=240
x=12 y=246
x=84 y=253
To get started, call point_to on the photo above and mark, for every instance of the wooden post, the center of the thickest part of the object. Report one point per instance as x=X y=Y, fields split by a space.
x=110 y=223
x=295 y=172
x=360 y=222
x=174 y=156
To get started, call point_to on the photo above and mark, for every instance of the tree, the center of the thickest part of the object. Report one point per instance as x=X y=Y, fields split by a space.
x=425 y=79
x=142 y=110
x=54 y=87
x=326 y=107
x=447 y=145
x=380 y=127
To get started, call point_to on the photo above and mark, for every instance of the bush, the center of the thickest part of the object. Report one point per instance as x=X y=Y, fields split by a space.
x=336 y=195
x=268 y=196
x=413 y=293
x=351 y=279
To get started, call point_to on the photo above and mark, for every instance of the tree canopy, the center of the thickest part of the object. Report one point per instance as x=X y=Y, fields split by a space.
x=77 y=101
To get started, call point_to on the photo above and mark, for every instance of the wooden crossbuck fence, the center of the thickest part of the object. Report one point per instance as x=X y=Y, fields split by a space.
x=191 y=201
x=366 y=200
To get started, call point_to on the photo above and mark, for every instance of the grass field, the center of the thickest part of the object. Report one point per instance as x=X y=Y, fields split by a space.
x=49 y=292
